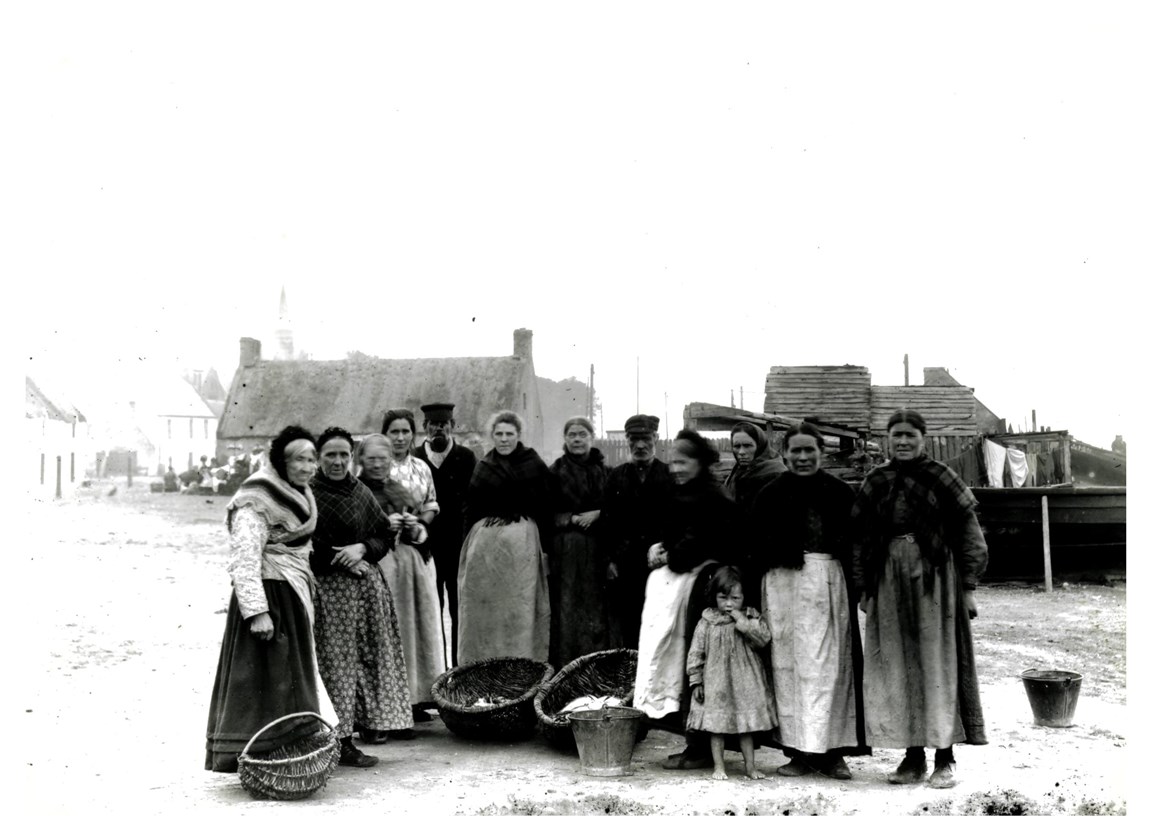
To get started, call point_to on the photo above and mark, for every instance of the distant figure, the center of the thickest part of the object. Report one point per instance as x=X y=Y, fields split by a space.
x=171 y=481
x=1119 y=446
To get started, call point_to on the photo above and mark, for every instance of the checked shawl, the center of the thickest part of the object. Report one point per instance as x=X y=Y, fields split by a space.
x=939 y=501
x=348 y=513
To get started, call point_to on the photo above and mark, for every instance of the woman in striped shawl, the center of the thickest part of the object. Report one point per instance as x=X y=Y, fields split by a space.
x=267 y=667
x=918 y=553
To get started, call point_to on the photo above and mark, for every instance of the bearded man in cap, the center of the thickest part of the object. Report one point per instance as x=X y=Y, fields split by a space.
x=452 y=466
x=636 y=497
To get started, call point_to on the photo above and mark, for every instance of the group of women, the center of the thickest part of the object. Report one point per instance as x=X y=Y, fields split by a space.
x=803 y=550
x=335 y=610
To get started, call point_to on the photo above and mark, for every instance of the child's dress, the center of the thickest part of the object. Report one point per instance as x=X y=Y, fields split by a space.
x=738 y=696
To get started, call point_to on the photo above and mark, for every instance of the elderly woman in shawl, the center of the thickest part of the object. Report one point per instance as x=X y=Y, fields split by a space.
x=503 y=578
x=578 y=568
x=357 y=635
x=918 y=554
x=801 y=549
x=267 y=666
x=402 y=484
x=698 y=535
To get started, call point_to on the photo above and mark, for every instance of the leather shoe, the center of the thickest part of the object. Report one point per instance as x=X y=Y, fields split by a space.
x=943 y=776
x=909 y=772
x=401 y=734
x=683 y=761
x=834 y=768
x=795 y=767
x=352 y=757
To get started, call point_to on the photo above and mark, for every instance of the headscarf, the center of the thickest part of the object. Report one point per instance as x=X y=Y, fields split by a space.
x=747 y=480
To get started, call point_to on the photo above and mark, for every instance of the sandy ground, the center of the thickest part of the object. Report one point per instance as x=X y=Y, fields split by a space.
x=120 y=599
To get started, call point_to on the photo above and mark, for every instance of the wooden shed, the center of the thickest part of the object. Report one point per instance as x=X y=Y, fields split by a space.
x=840 y=395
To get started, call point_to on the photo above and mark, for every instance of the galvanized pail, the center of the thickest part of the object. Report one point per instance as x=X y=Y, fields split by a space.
x=605 y=738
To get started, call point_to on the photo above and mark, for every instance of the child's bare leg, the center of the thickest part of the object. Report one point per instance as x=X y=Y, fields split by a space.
x=718 y=757
x=748 y=750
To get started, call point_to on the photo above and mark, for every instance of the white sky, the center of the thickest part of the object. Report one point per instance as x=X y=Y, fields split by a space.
x=715 y=188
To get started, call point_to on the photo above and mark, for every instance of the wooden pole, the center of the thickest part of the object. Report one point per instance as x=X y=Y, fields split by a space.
x=905 y=370
x=1033 y=419
x=59 y=473
x=1047 y=544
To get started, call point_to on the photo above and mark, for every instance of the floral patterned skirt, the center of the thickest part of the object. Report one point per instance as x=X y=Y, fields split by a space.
x=359 y=653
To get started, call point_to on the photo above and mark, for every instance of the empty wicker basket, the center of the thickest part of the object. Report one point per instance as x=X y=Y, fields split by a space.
x=606 y=672
x=504 y=686
x=293 y=771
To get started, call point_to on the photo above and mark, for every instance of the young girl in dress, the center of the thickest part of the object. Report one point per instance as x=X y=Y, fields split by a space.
x=731 y=693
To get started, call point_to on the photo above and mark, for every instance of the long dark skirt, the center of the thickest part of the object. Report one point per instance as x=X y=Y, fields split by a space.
x=258 y=681
x=577 y=586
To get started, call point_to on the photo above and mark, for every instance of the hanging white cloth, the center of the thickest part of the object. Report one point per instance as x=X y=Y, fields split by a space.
x=994 y=456
x=1017 y=467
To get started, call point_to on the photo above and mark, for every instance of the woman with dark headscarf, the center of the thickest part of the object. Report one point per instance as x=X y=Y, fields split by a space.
x=578 y=570
x=403 y=486
x=698 y=534
x=801 y=549
x=918 y=554
x=756 y=464
x=503 y=580
x=267 y=666
x=357 y=636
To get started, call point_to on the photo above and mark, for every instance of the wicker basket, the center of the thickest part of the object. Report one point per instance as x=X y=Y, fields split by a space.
x=293 y=771
x=611 y=672
x=455 y=691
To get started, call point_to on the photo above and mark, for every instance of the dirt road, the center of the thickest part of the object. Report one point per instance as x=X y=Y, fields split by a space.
x=119 y=604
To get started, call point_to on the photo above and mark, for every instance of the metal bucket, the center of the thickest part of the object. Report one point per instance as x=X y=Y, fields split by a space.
x=605 y=738
x=1053 y=695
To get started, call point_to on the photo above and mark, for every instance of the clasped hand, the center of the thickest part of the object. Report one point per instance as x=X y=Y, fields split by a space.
x=351 y=559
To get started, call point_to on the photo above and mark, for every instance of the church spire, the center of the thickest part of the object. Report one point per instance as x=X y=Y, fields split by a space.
x=284 y=341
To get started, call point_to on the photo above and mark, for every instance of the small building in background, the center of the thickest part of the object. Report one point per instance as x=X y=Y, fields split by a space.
x=268 y=394
x=56 y=447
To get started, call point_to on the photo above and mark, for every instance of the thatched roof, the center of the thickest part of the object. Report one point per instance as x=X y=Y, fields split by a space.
x=355 y=393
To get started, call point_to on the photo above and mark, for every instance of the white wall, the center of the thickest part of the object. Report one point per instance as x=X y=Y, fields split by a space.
x=45 y=442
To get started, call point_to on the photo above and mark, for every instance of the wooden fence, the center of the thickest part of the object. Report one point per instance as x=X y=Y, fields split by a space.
x=615 y=451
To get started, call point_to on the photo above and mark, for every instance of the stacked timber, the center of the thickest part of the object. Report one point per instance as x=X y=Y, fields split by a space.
x=837 y=394
x=946 y=409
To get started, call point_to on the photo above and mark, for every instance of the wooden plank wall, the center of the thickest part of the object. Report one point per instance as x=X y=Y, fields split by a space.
x=839 y=395
x=945 y=409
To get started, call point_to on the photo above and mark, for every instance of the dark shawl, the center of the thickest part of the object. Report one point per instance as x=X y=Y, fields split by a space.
x=578 y=484
x=347 y=513
x=940 y=504
x=747 y=480
x=701 y=523
x=509 y=488
x=779 y=522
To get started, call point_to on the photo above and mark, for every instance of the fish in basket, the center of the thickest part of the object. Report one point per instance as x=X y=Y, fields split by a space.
x=595 y=680
x=491 y=699
x=292 y=771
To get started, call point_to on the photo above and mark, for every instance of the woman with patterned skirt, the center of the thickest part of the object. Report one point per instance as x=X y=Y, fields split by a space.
x=357 y=636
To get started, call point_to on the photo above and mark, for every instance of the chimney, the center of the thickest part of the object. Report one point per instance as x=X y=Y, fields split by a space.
x=522 y=344
x=249 y=352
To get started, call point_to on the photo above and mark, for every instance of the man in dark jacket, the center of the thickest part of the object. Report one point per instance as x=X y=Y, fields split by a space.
x=452 y=466
x=636 y=499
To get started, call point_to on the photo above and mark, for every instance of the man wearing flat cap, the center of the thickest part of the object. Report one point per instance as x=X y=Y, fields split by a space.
x=635 y=498
x=452 y=466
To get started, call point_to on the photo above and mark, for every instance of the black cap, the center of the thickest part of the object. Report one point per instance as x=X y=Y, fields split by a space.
x=641 y=424
x=440 y=412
